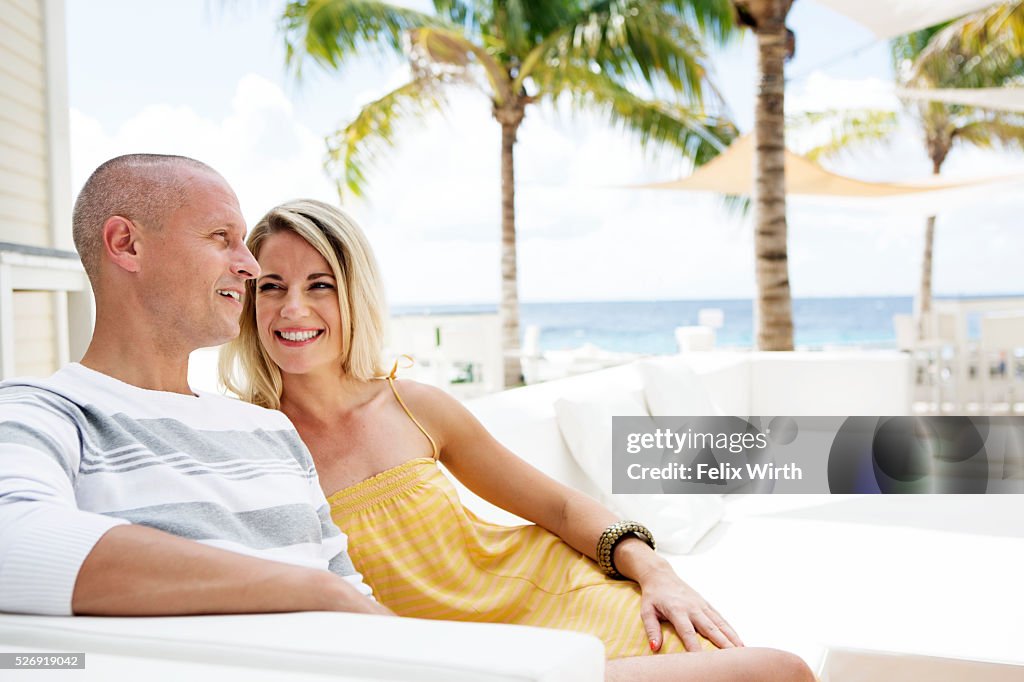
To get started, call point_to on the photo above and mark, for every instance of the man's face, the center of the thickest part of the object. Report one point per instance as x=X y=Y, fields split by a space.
x=196 y=265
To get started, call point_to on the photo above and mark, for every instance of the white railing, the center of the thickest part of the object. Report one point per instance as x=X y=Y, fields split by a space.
x=967 y=375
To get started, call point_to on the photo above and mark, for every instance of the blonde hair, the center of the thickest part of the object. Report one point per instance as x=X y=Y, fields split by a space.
x=245 y=366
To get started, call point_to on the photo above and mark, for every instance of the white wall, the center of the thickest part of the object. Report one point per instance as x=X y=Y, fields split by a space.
x=35 y=204
x=24 y=145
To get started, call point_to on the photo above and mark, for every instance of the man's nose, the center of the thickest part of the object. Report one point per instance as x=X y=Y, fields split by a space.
x=245 y=265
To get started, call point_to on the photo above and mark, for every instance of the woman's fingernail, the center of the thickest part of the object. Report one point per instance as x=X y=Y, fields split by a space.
x=654 y=645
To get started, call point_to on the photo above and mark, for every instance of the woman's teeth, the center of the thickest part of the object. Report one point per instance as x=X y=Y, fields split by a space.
x=299 y=336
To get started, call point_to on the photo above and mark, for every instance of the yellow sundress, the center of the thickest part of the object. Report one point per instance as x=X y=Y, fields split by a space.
x=427 y=556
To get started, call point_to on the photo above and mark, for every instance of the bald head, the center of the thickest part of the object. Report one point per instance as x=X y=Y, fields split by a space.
x=145 y=188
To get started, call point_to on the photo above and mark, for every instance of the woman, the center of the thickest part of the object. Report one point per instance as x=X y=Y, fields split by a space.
x=310 y=345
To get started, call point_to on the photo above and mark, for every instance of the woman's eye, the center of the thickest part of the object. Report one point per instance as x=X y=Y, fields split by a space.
x=266 y=287
x=321 y=285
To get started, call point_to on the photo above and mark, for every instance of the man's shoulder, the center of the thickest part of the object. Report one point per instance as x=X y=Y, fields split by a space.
x=40 y=404
x=231 y=407
x=57 y=384
x=101 y=397
x=72 y=383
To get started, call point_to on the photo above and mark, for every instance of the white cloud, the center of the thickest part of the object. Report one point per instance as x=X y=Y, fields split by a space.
x=265 y=155
x=821 y=92
x=433 y=211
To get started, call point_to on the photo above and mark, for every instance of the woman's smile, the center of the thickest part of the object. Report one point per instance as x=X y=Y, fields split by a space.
x=297 y=337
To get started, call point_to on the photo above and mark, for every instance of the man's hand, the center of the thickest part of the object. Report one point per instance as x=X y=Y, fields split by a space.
x=339 y=595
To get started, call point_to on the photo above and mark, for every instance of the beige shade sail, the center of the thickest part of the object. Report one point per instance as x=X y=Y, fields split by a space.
x=890 y=18
x=1001 y=99
x=732 y=172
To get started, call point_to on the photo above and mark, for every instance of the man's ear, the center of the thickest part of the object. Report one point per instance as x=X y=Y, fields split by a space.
x=120 y=240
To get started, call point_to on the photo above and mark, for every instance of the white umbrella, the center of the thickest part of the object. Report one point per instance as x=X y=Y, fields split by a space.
x=1010 y=98
x=890 y=18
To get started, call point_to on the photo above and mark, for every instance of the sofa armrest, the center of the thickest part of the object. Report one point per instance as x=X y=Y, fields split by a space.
x=309 y=646
x=838 y=383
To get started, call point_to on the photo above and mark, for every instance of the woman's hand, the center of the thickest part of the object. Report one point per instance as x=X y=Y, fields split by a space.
x=665 y=597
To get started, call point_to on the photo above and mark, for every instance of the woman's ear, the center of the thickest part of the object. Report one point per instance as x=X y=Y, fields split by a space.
x=120 y=237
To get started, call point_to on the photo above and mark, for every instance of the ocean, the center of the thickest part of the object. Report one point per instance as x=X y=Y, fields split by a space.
x=648 y=326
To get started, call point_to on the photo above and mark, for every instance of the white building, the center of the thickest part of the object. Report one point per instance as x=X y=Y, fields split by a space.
x=45 y=302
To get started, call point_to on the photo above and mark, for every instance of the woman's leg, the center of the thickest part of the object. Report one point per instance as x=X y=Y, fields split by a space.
x=746 y=664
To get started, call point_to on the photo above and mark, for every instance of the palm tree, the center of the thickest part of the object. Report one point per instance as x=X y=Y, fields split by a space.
x=919 y=63
x=593 y=55
x=995 y=34
x=767 y=18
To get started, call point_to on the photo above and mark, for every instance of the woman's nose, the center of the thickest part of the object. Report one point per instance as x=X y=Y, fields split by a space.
x=294 y=305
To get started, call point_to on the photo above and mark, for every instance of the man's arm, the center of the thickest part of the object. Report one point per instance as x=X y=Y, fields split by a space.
x=56 y=559
x=138 y=571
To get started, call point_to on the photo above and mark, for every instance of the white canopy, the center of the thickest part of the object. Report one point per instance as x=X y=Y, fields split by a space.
x=1003 y=99
x=732 y=172
x=890 y=18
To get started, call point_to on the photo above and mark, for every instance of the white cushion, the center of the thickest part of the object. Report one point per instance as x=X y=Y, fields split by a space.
x=678 y=522
x=673 y=389
x=307 y=646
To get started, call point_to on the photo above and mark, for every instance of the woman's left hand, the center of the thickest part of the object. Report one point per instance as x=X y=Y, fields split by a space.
x=665 y=597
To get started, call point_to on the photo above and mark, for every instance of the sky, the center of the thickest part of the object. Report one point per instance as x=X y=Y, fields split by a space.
x=207 y=78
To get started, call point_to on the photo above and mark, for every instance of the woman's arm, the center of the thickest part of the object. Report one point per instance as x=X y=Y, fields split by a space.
x=493 y=472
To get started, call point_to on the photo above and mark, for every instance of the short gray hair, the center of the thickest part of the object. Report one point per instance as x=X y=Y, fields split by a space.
x=144 y=188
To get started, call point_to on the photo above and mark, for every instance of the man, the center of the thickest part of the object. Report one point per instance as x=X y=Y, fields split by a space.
x=121 y=491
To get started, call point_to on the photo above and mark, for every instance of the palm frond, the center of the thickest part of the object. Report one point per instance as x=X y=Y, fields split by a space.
x=332 y=31
x=1004 y=130
x=631 y=39
x=354 y=148
x=517 y=25
x=466 y=15
x=843 y=130
x=714 y=19
x=904 y=49
x=510 y=25
x=697 y=135
x=447 y=47
x=997 y=32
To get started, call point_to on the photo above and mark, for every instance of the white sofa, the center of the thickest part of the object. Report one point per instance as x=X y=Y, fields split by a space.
x=738 y=383
x=300 y=647
x=913 y=575
x=925 y=575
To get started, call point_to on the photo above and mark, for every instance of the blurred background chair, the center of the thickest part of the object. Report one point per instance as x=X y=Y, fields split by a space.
x=934 y=346
x=1001 y=361
x=695 y=338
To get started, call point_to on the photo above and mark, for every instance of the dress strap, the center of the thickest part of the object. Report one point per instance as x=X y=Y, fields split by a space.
x=394 y=389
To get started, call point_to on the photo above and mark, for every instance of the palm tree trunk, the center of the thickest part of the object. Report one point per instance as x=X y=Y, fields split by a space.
x=774 y=303
x=509 y=309
x=924 y=296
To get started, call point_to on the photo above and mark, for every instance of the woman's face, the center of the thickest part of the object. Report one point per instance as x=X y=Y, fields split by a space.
x=297 y=311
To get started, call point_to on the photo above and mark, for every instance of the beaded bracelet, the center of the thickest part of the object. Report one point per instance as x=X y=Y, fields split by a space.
x=612 y=536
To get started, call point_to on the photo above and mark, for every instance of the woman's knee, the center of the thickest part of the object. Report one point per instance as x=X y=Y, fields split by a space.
x=781 y=666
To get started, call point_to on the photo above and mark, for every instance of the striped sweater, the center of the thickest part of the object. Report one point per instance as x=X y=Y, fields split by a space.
x=82 y=452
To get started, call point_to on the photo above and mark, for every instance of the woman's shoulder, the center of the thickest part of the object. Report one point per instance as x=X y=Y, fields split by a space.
x=430 y=403
x=427 y=395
